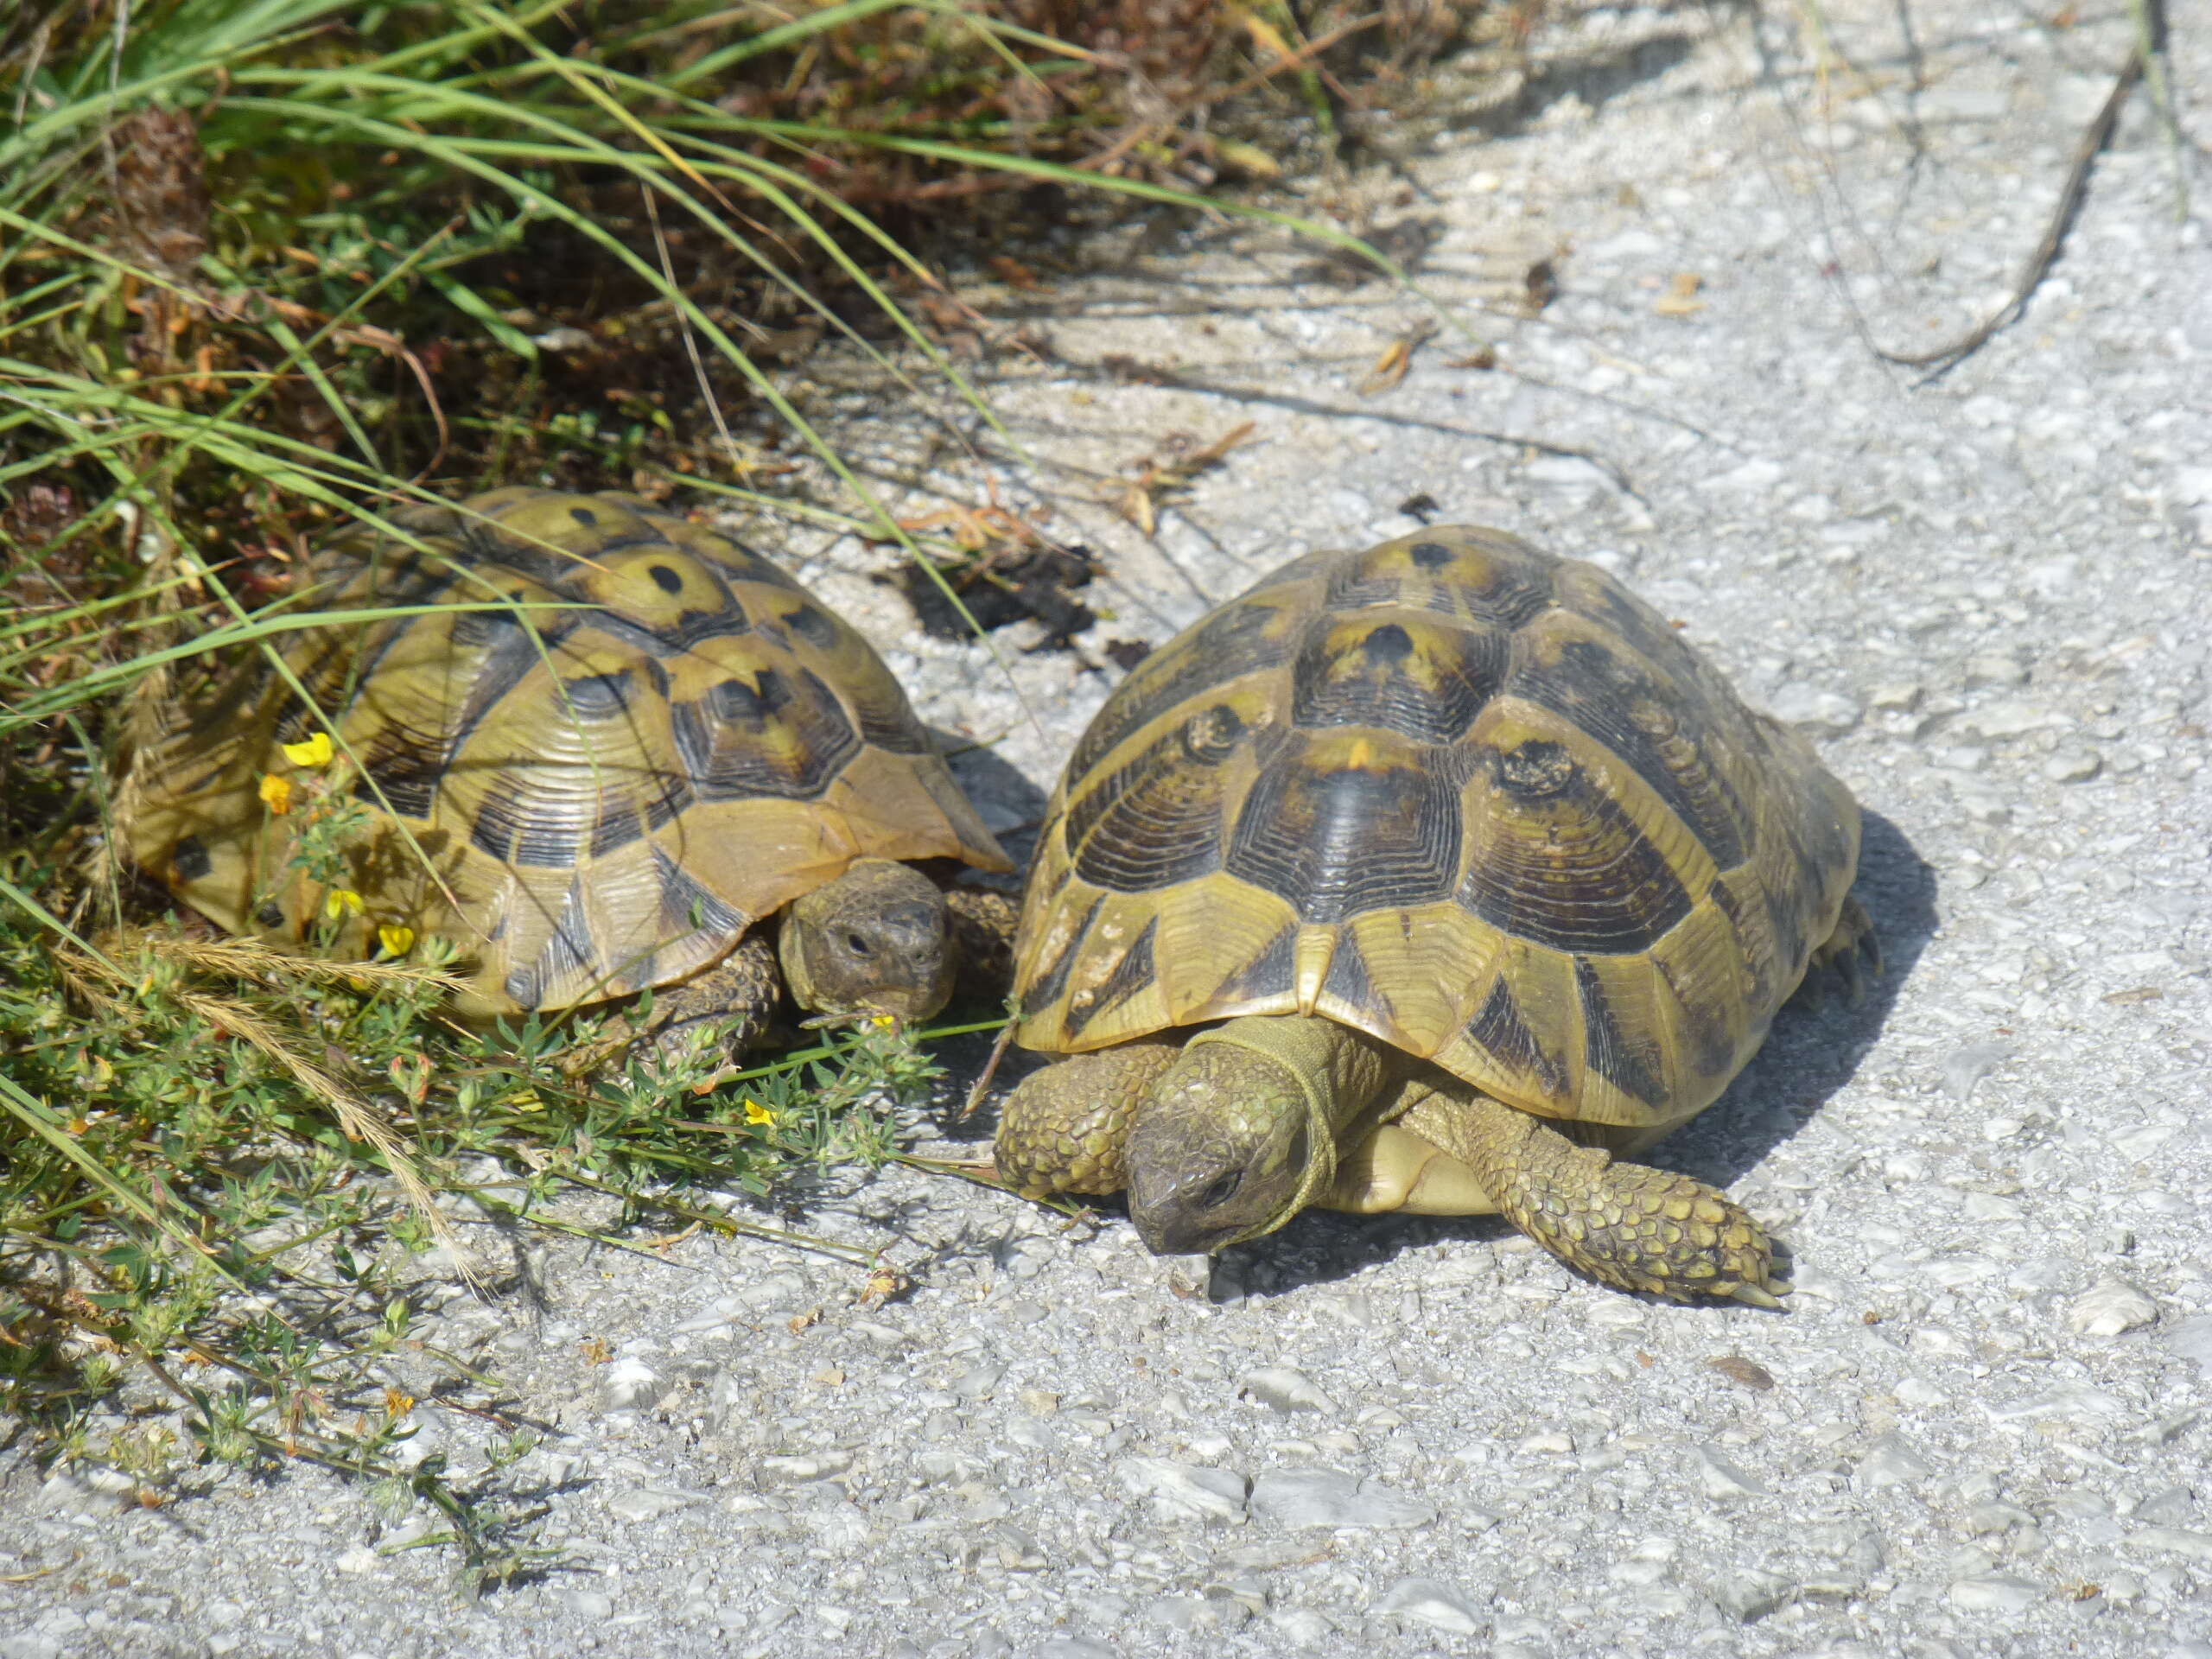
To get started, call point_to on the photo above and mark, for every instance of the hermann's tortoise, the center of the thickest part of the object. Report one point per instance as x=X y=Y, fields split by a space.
x=643 y=741
x=1489 y=876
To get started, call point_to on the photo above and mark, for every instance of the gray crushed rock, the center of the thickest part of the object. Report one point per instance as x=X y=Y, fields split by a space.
x=1984 y=597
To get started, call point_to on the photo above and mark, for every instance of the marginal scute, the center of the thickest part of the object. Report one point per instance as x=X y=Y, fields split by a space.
x=613 y=773
x=1477 y=801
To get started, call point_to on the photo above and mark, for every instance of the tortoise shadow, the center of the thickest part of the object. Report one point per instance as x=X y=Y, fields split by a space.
x=1011 y=804
x=1812 y=1051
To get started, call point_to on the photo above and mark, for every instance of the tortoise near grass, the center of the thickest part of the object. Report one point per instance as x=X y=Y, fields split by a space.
x=616 y=750
x=1434 y=879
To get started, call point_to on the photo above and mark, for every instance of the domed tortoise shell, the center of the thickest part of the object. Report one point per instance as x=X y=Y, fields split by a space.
x=640 y=739
x=1478 y=801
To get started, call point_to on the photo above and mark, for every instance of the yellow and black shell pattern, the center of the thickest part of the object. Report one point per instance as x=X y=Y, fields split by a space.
x=1478 y=801
x=606 y=742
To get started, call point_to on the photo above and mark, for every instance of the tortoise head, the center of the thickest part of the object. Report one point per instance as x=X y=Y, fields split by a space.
x=876 y=940
x=1219 y=1152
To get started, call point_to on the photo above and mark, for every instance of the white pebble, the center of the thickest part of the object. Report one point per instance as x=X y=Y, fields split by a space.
x=2109 y=1307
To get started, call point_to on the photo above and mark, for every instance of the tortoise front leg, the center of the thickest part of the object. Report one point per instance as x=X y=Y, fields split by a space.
x=1066 y=1128
x=1460 y=1152
x=745 y=986
x=982 y=921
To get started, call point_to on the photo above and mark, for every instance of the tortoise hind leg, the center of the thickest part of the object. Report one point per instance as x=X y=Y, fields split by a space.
x=1631 y=1226
x=1837 y=957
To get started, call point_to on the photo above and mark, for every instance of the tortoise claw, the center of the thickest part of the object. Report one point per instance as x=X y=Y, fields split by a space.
x=1758 y=1296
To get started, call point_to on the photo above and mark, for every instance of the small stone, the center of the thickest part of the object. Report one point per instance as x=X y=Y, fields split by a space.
x=1432 y=1603
x=358 y=1559
x=647 y=1503
x=1722 y=1481
x=1301 y=1626
x=2172 y=1541
x=2174 y=1504
x=1186 y=1489
x=1810 y=708
x=978 y=1381
x=2070 y=1402
x=1075 y=1647
x=1994 y=1593
x=630 y=1384
x=1285 y=1390
x=1964 y=1068
x=1980 y=801
x=1751 y=477
x=2109 y=1307
x=588 y=1603
x=1197 y=1614
x=2073 y=766
x=1325 y=1497
x=1748 y=1595
x=807 y=1466
x=1994 y=1516
x=1899 y=698
x=1890 y=1462
x=1993 y=669
x=2006 y=718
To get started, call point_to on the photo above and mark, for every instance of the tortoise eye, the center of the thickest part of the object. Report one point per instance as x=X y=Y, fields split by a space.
x=858 y=946
x=1223 y=1190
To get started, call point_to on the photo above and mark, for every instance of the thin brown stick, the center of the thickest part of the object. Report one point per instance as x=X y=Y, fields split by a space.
x=990 y=1071
x=2093 y=139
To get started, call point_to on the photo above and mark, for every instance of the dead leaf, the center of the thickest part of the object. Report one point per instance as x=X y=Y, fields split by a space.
x=1137 y=499
x=2134 y=993
x=882 y=1285
x=1681 y=298
x=828 y=1377
x=1249 y=159
x=1742 y=1372
x=1012 y=272
x=1484 y=359
x=1390 y=367
x=798 y=1322
x=1539 y=287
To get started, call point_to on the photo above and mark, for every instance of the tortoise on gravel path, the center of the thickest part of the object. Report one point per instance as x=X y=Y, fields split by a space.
x=642 y=742
x=1490 y=877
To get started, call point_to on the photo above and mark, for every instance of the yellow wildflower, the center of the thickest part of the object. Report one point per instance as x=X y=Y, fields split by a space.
x=756 y=1112
x=393 y=940
x=314 y=752
x=343 y=901
x=276 y=793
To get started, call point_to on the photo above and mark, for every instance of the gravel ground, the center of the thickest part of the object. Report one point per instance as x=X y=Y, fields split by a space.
x=1982 y=1428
